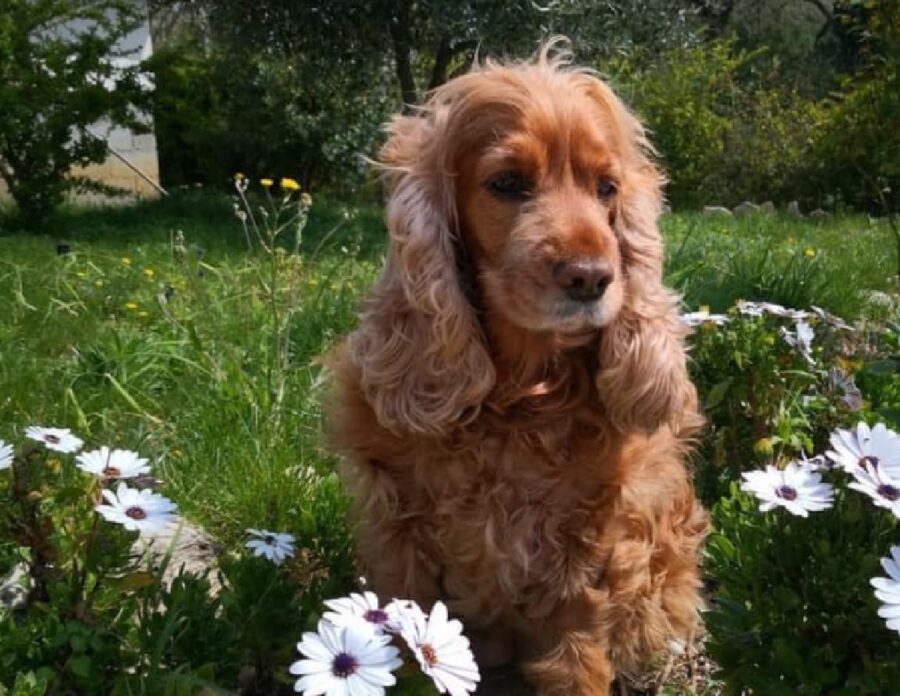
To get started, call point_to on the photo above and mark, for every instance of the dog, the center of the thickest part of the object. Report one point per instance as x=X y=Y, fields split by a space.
x=514 y=409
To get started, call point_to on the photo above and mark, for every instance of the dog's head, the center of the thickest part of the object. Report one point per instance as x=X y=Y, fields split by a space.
x=528 y=190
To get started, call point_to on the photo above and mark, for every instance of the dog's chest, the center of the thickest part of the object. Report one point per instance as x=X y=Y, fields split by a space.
x=520 y=517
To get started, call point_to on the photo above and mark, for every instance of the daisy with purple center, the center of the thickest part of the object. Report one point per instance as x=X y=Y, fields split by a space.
x=274 y=546
x=888 y=590
x=137 y=510
x=117 y=463
x=798 y=488
x=442 y=651
x=365 y=610
x=56 y=439
x=878 y=484
x=344 y=661
x=863 y=446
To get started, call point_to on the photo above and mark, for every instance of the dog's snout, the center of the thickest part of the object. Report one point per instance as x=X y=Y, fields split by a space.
x=585 y=279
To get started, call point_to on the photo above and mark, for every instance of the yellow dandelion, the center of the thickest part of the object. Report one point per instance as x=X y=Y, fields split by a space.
x=131 y=305
x=98 y=283
x=143 y=315
x=289 y=184
x=149 y=272
x=125 y=261
x=809 y=252
x=266 y=183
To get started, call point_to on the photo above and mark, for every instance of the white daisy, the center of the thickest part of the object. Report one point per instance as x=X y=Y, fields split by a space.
x=750 y=309
x=778 y=310
x=798 y=488
x=344 y=661
x=56 y=439
x=800 y=338
x=107 y=463
x=272 y=545
x=6 y=455
x=137 y=510
x=842 y=384
x=881 y=487
x=888 y=590
x=829 y=318
x=694 y=319
x=442 y=651
x=877 y=446
x=364 y=609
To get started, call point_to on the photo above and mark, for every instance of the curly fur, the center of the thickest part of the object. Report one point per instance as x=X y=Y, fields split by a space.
x=507 y=451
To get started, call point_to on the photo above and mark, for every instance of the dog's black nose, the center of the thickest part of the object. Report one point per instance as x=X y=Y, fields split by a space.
x=585 y=279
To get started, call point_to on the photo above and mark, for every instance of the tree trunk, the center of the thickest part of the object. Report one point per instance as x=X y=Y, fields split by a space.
x=400 y=38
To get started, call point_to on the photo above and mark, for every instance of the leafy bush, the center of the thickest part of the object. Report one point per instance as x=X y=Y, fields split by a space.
x=794 y=612
x=54 y=83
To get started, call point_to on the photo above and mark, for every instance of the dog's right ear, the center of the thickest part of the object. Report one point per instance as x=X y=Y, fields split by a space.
x=419 y=348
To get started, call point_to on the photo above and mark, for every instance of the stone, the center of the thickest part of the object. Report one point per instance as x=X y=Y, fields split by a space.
x=745 y=208
x=819 y=214
x=716 y=210
x=767 y=207
x=192 y=549
x=793 y=209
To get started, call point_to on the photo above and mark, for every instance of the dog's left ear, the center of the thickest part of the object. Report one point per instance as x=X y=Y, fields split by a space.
x=642 y=378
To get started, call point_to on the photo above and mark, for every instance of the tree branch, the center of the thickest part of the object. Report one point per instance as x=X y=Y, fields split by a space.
x=443 y=56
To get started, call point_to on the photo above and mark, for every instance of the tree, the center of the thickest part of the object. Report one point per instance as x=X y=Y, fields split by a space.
x=60 y=73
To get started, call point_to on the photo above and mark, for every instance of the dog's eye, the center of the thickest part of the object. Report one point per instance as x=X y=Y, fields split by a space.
x=510 y=185
x=605 y=188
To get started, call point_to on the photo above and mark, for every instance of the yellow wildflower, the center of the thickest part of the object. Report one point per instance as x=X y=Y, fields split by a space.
x=149 y=272
x=98 y=283
x=289 y=184
x=176 y=452
x=763 y=446
x=81 y=274
x=125 y=261
x=809 y=252
x=266 y=183
x=131 y=305
x=143 y=315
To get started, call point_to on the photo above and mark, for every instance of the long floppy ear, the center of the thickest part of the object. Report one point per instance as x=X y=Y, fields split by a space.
x=643 y=379
x=423 y=363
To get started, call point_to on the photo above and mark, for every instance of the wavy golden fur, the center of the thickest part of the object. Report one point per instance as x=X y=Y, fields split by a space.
x=514 y=408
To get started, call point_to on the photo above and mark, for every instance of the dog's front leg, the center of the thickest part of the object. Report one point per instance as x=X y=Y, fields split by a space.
x=572 y=656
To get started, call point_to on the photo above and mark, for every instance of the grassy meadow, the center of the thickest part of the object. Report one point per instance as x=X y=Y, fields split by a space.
x=153 y=328
x=134 y=339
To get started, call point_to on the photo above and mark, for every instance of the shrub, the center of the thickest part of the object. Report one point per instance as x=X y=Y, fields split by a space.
x=54 y=83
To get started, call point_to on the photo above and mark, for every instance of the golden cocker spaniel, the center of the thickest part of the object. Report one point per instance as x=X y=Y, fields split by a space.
x=514 y=408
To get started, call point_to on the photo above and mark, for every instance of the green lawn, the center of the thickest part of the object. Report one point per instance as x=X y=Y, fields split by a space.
x=135 y=340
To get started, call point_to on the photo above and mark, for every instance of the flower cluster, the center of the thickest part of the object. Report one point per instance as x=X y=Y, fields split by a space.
x=136 y=509
x=800 y=337
x=352 y=653
x=870 y=458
